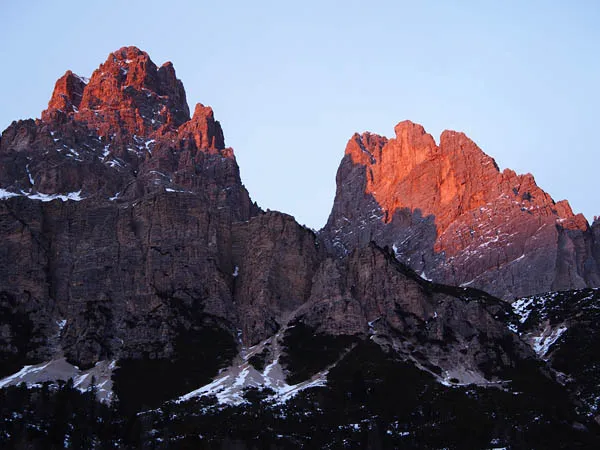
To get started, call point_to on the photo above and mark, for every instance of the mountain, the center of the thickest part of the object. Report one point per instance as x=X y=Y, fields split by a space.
x=136 y=270
x=453 y=216
x=149 y=197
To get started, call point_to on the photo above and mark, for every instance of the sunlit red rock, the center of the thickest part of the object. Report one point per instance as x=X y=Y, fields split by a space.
x=66 y=97
x=455 y=217
x=127 y=94
x=98 y=136
x=203 y=129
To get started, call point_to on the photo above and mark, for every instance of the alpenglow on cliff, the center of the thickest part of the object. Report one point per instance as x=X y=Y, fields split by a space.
x=134 y=263
x=454 y=217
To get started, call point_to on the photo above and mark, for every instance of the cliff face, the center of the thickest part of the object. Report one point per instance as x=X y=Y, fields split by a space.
x=131 y=249
x=126 y=227
x=450 y=214
x=451 y=332
x=117 y=218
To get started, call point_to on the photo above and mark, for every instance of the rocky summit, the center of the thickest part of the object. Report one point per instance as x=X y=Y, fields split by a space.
x=449 y=213
x=147 y=302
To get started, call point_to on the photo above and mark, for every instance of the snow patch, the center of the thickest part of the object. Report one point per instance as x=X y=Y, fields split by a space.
x=543 y=342
x=371 y=325
x=114 y=163
x=22 y=374
x=161 y=174
x=61 y=324
x=148 y=143
x=4 y=194
x=521 y=308
x=84 y=80
x=424 y=276
x=461 y=376
x=228 y=387
x=520 y=258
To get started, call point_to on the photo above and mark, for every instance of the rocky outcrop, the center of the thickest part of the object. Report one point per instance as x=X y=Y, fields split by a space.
x=124 y=132
x=66 y=97
x=129 y=94
x=452 y=215
x=117 y=219
x=275 y=261
x=455 y=333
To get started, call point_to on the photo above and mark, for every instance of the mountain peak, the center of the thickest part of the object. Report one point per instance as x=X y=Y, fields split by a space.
x=204 y=129
x=116 y=131
x=408 y=127
x=127 y=94
x=129 y=53
x=67 y=95
x=448 y=211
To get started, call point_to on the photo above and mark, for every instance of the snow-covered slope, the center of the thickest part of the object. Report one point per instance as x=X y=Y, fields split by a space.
x=230 y=385
x=98 y=376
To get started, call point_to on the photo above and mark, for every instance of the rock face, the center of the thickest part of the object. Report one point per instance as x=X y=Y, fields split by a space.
x=126 y=226
x=139 y=249
x=452 y=332
x=275 y=262
x=453 y=216
x=130 y=244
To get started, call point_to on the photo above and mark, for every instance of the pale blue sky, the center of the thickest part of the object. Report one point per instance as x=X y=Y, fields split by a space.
x=291 y=84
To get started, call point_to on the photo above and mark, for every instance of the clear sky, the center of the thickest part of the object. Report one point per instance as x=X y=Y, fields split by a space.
x=292 y=81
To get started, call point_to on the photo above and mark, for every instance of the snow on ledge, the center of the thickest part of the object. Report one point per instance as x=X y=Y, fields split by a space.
x=74 y=196
x=178 y=190
x=4 y=194
x=70 y=196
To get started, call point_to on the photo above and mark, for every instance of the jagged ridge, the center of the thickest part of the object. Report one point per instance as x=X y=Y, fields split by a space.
x=162 y=263
x=451 y=214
